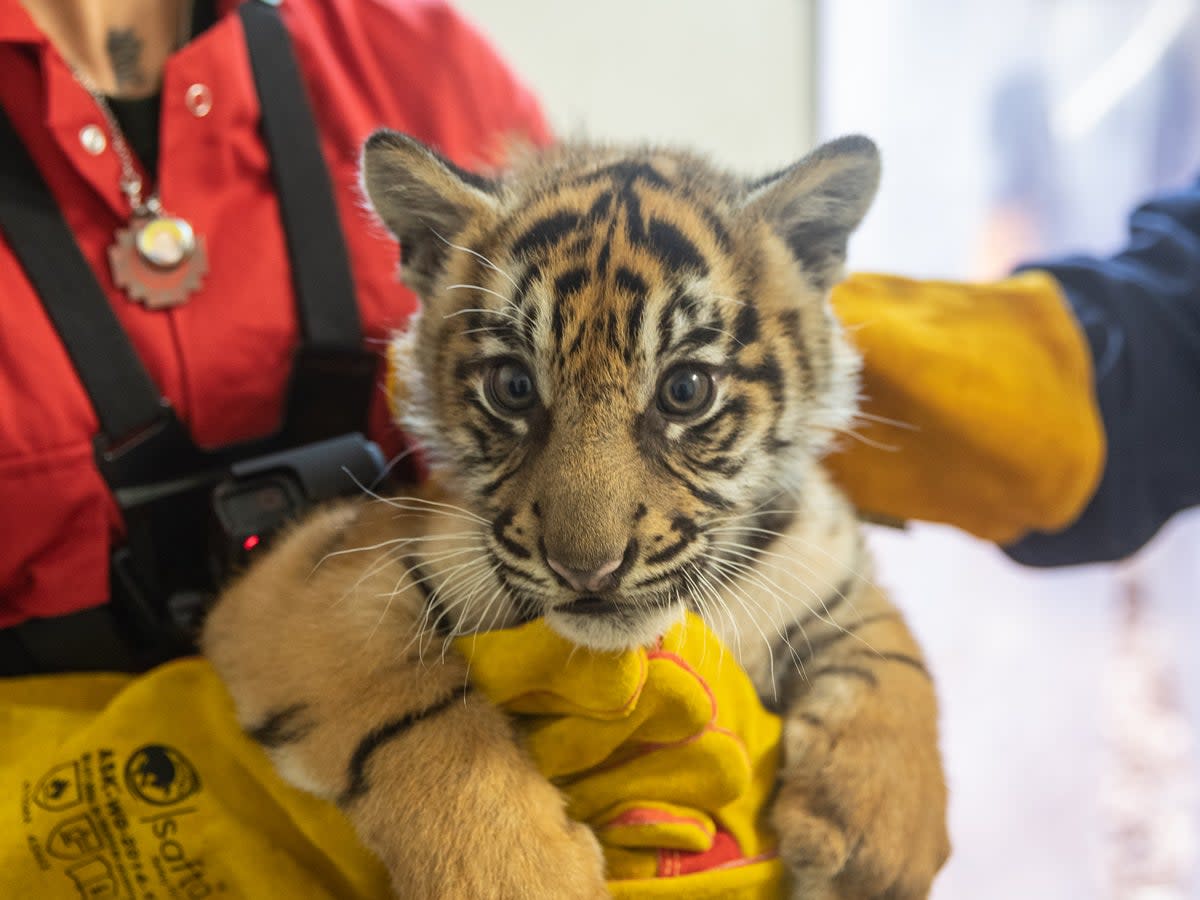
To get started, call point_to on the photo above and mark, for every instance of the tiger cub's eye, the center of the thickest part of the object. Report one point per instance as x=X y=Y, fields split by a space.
x=509 y=386
x=685 y=391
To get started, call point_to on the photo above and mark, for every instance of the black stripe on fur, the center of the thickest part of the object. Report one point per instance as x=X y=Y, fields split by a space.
x=499 y=526
x=902 y=658
x=437 y=613
x=284 y=726
x=670 y=245
x=546 y=233
x=356 y=772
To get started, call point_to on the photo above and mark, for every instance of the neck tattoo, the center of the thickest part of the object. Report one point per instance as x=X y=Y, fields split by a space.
x=125 y=53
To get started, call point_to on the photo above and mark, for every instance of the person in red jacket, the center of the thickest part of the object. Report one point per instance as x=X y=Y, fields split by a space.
x=137 y=111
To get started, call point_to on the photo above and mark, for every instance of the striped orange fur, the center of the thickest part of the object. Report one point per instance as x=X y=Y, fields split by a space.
x=625 y=373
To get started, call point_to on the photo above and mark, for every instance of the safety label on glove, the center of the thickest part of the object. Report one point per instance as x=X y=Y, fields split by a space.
x=117 y=826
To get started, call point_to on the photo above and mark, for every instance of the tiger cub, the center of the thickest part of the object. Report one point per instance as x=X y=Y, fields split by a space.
x=625 y=372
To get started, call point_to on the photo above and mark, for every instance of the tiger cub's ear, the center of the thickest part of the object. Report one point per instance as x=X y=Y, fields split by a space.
x=816 y=203
x=424 y=199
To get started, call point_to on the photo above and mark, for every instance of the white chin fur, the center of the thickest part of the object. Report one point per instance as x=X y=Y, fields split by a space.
x=612 y=634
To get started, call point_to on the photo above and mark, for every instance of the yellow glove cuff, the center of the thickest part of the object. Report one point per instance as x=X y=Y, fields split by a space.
x=146 y=787
x=979 y=406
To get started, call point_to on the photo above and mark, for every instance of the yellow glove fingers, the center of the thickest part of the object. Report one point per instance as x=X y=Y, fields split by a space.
x=650 y=825
x=704 y=774
x=667 y=752
x=531 y=670
x=674 y=707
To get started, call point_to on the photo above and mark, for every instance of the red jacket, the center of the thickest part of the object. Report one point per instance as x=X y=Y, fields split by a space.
x=221 y=358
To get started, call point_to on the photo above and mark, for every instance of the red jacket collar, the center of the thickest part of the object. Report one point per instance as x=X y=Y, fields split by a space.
x=16 y=25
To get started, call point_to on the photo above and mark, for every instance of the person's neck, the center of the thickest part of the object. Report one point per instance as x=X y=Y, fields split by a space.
x=121 y=45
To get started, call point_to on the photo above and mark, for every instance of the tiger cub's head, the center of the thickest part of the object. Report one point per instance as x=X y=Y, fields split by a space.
x=618 y=350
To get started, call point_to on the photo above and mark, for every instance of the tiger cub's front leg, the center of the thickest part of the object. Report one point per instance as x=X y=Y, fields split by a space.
x=326 y=674
x=861 y=806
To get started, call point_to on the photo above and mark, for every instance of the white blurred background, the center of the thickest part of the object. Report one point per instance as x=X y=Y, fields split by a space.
x=1010 y=131
x=732 y=78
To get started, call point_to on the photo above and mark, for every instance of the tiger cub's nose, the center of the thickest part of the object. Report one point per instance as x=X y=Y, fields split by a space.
x=598 y=579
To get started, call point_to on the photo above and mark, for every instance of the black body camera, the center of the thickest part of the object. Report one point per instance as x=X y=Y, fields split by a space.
x=204 y=518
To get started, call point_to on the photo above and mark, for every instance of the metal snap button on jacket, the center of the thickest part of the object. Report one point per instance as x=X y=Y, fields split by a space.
x=93 y=139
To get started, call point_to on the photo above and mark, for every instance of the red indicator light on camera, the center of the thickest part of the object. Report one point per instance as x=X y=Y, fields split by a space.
x=251 y=542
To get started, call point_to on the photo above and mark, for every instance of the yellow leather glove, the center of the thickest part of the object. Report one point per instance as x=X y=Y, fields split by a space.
x=991 y=385
x=146 y=787
x=140 y=788
x=666 y=753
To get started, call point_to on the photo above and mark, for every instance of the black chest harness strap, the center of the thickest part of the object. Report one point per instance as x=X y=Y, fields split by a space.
x=144 y=452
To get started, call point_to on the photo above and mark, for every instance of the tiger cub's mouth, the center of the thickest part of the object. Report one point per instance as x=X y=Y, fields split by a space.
x=615 y=622
x=617 y=618
x=612 y=605
x=590 y=605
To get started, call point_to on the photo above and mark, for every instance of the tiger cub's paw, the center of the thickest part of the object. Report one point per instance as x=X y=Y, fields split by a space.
x=523 y=846
x=573 y=870
x=565 y=866
x=861 y=809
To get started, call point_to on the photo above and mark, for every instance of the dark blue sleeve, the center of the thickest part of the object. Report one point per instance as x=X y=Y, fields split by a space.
x=1141 y=312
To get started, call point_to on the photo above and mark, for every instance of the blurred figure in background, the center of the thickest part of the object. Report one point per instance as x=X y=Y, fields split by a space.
x=1086 y=110
x=1113 y=99
x=1115 y=111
